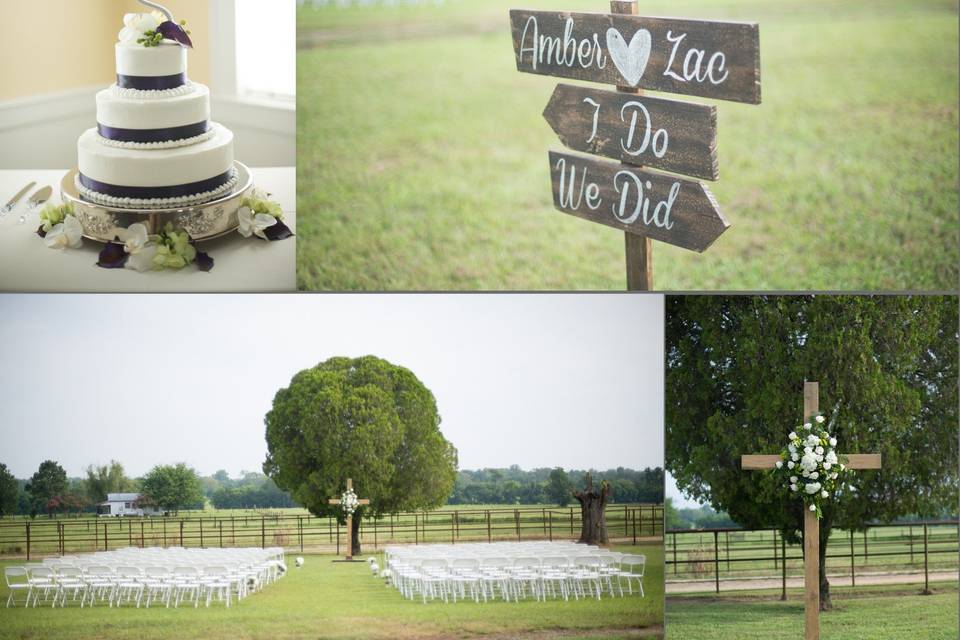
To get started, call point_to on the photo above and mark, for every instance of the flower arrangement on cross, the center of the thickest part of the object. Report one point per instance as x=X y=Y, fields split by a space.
x=809 y=464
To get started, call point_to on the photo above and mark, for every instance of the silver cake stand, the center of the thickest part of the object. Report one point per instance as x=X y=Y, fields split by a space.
x=204 y=221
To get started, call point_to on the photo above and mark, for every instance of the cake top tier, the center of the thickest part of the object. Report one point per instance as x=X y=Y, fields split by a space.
x=152 y=51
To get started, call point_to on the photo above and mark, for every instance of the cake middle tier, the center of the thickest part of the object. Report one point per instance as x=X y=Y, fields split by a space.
x=151 y=117
x=144 y=174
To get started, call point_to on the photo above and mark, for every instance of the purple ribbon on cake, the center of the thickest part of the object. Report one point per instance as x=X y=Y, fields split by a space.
x=151 y=83
x=149 y=193
x=152 y=135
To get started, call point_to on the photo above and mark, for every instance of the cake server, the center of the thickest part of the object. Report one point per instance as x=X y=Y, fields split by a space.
x=7 y=208
x=38 y=198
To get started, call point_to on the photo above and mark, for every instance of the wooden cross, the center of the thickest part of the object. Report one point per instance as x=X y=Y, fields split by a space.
x=811 y=525
x=361 y=501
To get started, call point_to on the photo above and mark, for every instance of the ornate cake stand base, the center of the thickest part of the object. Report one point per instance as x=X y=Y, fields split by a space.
x=204 y=221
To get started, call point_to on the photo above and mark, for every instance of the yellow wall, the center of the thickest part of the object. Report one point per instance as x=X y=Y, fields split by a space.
x=57 y=45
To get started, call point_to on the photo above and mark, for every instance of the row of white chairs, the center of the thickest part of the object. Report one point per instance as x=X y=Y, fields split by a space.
x=511 y=573
x=171 y=577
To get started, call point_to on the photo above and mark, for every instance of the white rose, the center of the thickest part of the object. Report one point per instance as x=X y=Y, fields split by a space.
x=791 y=448
x=833 y=442
x=819 y=450
x=807 y=426
x=793 y=478
x=833 y=476
x=812 y=487
x=831 y=457
x=808 y=462
x=791 y=465
x=813 y=507
x=814 y=475
x=779 y=464
x=793 y=487
x=827 y=465
x=824 y=494
x=820 y=419
x=793 y=435
x=66 y=234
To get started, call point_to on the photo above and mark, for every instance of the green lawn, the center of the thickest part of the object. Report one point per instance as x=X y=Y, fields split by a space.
x=861 y=614
x=422 y=154
x=335 y=600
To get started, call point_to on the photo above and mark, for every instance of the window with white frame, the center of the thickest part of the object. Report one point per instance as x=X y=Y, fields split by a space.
x=265 y=48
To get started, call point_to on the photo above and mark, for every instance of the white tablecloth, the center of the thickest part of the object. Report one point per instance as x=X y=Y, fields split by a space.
x=240 y=264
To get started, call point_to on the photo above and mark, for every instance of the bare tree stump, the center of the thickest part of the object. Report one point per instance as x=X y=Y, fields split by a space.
x=593 y=527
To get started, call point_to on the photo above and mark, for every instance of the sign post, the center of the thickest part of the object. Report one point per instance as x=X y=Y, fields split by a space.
x=811 y=525
x=694 y=57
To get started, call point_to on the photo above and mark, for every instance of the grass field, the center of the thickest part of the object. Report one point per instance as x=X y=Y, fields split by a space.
x=328 y=600
x=866 y=613
x=422 y=154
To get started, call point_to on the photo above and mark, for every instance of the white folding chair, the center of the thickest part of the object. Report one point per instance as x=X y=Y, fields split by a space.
x=17 y=581
x=629 y=571
x=41 y=581
x=216 y=582
x=69 y=581
x=158 y=585
x=128 y=585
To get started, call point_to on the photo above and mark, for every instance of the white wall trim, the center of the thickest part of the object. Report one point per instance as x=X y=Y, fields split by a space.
x=46 y=107
x=223 y=47
x=270 y=116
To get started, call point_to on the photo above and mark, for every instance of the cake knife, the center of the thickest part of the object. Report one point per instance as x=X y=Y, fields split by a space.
x=38 y=198
x=7 y=208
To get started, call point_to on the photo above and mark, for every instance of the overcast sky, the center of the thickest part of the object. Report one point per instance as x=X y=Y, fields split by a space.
x=533 y=380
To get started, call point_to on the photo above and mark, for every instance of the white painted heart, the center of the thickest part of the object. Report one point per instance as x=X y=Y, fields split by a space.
x=631 y=61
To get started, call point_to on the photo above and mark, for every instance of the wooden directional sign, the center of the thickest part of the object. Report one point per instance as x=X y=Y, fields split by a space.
x=694 y=57
x=666 y=208
x=666 y=134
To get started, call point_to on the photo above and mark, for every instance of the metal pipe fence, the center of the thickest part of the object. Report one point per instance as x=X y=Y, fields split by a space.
x=738 y=554
x=32 y=538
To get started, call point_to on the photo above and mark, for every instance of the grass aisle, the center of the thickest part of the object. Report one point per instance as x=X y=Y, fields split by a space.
x=422 y=154
x=335 y=600
x=871 y=613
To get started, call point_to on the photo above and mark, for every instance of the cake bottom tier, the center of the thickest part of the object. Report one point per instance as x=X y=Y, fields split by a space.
x=155 y=178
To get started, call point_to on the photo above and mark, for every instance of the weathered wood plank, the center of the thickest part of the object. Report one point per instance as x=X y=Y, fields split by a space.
x=665 y=134
x=662 y=207
x=811 y=575
x=756 y=462
x=863 y=460
x=694 y=57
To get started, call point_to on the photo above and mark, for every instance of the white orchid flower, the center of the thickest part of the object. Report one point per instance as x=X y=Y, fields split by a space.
x=142 y=260
x=66 y=234
x=136 y=24
x=254 y=224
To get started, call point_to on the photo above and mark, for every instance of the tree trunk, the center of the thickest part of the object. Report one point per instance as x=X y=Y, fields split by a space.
x=825 y=602
x=593 y=528
x=355 y=533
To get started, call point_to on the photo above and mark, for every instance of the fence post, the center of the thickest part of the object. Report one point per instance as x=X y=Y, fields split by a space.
x=141 y=534
x=164 y=521
x=488 y=525
x=926 y=568
x=300 y=531
x=866 y=552
x=456 y=515
x=571 y=520
x=853 y=579
x=375 y=518
x=263 y=532
x=783 y=568
x=726 y=541
x=516 y=518
x=674 y=553
x=201 y=533
x=453 y=531
x=911 y=544
x=716 y=559
x=626 y=522
x=635 y=527
x=96 y=533
x=550 y=526
x=106 y=542
x=775 y=565
x=28 y=540
x=220 y=526
x=181 y=532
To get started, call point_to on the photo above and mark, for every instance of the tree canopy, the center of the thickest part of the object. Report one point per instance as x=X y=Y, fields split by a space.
x=49 y=481
x=887 y=368
x=559 y=487
x=365 y=419
x=104 y=479
x=172 y=487
x=9 y=492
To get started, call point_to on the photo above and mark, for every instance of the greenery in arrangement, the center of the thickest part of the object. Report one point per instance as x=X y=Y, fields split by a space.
x=361 y=418
x=887 y=367
x=432 y=173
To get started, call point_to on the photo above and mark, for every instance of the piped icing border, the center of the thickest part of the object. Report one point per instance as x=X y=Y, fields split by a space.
x=166 y=144
x=157 y=203
x=141 y=94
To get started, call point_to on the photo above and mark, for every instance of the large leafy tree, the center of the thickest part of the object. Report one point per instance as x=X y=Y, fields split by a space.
x=9 y=492
x=172 y=487
x=559 y=487
x=365 y=419
x=104 y=479
x=49 y=480
x=887 y=368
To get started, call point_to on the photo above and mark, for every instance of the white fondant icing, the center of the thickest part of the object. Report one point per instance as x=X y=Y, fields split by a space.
x=147 y=94
x=166 y=144
x=155 y=167
x=157 y=203
x=162 y=60
x=134 y=113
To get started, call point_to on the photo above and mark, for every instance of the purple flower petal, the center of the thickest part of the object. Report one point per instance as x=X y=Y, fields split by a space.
x=173 y=31
x=203 y=261
x=41 y=232
x=277 y=231
x=112 y=257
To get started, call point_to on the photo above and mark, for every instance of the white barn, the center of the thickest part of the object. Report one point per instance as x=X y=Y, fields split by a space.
x=125 y=504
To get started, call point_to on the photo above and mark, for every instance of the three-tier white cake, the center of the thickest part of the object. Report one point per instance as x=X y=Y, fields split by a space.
x=154 y=145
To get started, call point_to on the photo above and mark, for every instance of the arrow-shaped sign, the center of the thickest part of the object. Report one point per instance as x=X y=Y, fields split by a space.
x=666 y=134
x=694 y=57
x=666 y=208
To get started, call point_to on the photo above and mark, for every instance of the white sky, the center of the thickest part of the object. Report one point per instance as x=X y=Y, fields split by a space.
x=534 y=380
x=679 y=500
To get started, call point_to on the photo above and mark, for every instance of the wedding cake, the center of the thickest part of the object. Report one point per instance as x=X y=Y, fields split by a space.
x=154 y=145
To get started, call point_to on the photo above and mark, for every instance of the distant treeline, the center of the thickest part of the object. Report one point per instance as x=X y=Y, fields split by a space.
x=513 y=485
